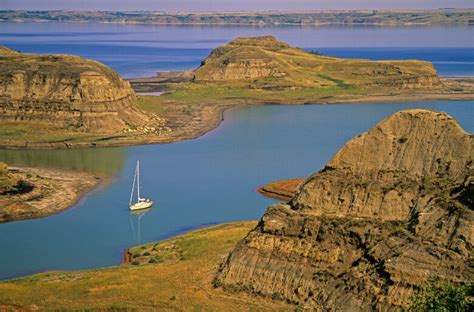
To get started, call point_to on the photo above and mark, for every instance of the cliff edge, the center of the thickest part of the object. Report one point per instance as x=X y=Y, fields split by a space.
x=392 y=207
x=68 y=91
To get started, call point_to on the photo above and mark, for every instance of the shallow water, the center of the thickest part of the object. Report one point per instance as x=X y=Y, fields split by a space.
x=211 y=179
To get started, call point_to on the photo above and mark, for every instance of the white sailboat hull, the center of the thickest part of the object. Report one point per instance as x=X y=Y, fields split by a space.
x=141 y=205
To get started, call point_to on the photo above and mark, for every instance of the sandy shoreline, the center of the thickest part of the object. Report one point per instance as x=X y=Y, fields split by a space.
x=53 y=191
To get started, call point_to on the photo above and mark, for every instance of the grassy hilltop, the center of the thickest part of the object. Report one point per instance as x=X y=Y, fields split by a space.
x=265 y=69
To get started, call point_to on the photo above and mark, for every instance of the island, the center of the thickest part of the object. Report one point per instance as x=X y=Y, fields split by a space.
x=91 y=105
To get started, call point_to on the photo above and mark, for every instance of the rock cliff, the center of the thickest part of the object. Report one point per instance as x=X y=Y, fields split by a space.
x=71 y=92
x=392 y=207
x=270 y=63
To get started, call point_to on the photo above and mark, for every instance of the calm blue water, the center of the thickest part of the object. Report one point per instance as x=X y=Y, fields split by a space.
x=139 y=50
x=211 y=179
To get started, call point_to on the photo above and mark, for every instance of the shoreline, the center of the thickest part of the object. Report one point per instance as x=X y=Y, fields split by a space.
x=185 y=263
x=54 y=191
x=254 y=18
x=208 y=117
x=281 y=189
x=388 y=24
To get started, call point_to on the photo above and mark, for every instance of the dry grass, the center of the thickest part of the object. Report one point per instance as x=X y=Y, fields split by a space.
x=177 y=283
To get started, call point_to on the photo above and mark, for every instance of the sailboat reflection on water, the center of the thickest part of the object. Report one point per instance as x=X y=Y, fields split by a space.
x=139 y=214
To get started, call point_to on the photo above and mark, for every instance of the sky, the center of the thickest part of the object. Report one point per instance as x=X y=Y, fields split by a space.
x=229 y=5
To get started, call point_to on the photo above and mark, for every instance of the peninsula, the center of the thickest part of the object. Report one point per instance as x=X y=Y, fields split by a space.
x=30 y=193
x=282 y=190
x=92 y=106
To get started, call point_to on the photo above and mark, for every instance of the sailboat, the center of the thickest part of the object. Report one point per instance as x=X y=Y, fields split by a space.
x=142 y=203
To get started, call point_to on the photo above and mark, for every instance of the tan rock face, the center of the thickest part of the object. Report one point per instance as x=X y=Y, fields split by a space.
x=393 y=206
x=79 y=94
x=242 y=59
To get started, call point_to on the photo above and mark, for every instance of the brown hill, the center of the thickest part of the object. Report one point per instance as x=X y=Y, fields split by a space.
x=392 y=207
x=270 y=63
x=69 y=91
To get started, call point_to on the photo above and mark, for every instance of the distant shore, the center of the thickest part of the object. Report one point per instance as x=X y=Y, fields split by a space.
x=52 y=191
x=448 y=16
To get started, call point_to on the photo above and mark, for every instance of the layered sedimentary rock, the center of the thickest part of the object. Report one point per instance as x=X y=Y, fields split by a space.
x=68 y=91
x=243 y=58
x=270 y=63
x=392 y=207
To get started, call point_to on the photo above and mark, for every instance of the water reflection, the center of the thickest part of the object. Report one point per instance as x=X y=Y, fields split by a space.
x=136 y=216
x=104 y=162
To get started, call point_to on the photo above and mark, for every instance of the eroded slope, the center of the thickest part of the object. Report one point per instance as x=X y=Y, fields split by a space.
x=392 y=207
x=68 y=91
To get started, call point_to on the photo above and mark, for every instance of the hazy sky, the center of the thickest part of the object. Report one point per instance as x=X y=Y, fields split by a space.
x=229 y=5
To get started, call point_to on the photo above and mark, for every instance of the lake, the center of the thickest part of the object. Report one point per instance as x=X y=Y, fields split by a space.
x=211 y=179
x=142 y=50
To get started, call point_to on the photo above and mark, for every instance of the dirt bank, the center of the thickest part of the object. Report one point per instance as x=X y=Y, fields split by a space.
x=52 y=192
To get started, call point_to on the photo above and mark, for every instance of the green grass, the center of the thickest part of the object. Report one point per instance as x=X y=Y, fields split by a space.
x=340 y=83
x=150 y=104
x=171 y=282
x=40 y=132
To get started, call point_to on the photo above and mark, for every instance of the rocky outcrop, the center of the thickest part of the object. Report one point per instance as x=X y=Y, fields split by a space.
x=241 y=59
x=392 y=207
x=8 y=182
x=271 y=64
x=68 y=91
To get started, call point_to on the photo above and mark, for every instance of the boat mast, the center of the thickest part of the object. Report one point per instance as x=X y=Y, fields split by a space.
x=138 y=179
x=133 y=186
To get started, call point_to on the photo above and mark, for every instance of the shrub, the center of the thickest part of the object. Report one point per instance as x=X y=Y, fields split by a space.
x=158 y=258
x=136 y=262
x=315 y=52
x=135 y=255
x=433 y=296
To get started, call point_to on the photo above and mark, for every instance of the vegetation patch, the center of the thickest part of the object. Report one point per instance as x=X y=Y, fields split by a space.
x=143 y=285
